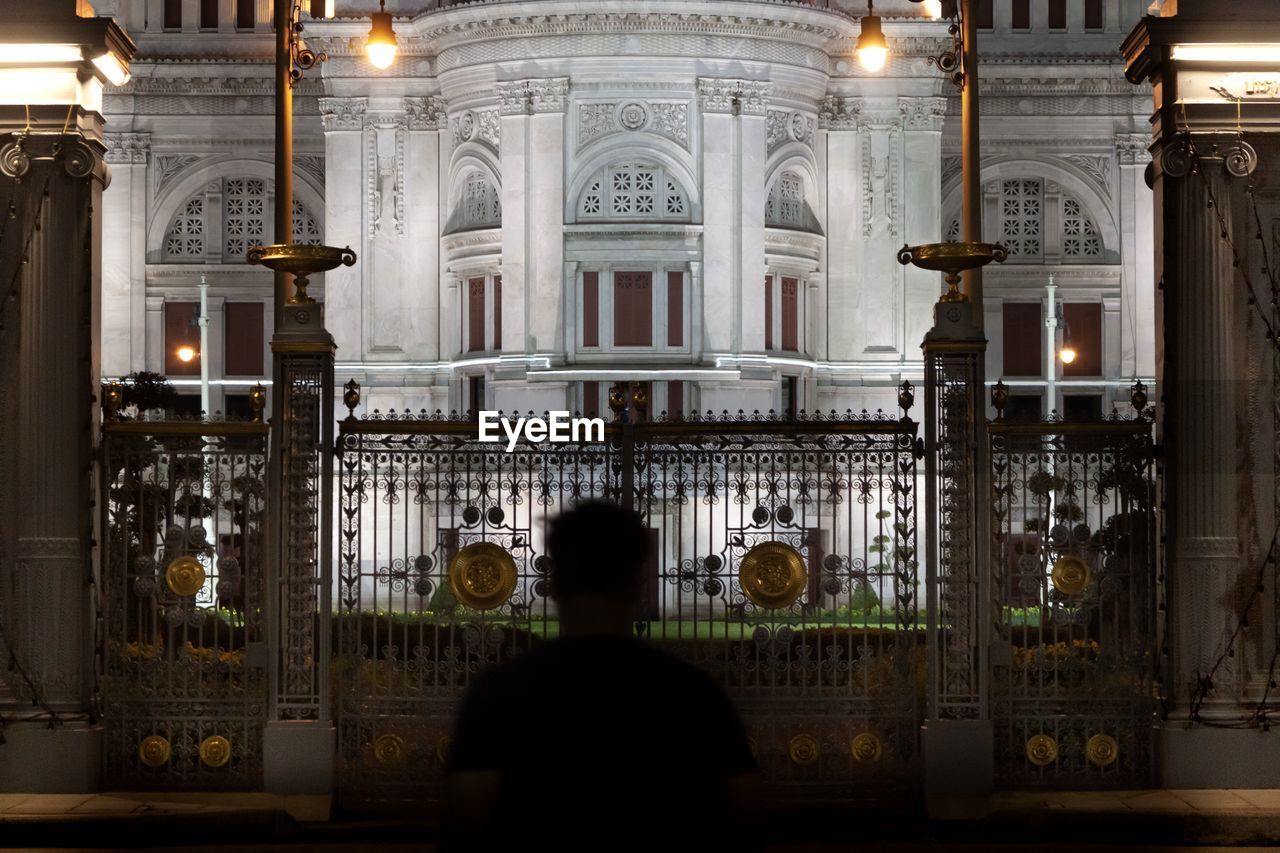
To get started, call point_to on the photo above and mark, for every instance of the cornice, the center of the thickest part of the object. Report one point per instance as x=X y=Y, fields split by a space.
x=634 y=231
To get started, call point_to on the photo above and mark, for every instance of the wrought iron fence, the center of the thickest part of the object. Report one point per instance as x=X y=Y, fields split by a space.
x=1073 y=564
x=784 y=562
x=182 y=690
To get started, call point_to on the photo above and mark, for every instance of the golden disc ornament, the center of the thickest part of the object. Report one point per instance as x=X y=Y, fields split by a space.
x=185 y=576
x=772 y=575
x=482 y=575
x=154 y=751
x=866 y=748
x=1042 y=750
x=803 y=749
x=388 y=749
x=443 y=744
x=1070 y=575
x=215 y=751
x=1102 y=750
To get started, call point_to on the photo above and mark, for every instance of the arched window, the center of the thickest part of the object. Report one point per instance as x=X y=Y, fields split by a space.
x=246 y=207
x=481 y=205
x=1040 y=221
x=786 y=206
x=634 y=191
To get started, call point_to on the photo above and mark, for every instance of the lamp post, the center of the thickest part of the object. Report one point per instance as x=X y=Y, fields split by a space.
x=299 y=741
x=958 y=737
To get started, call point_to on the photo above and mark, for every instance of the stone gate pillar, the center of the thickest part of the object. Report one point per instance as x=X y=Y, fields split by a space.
x=52 y=173
x=1214 y=111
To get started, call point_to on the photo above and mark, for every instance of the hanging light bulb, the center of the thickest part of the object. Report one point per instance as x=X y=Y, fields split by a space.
x=186 y=354
x=381 y=44
x=933 y=8
x=872 y=49
x=1067 y=353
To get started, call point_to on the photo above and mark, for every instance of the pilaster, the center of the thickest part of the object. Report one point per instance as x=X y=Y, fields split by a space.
x=345 y=225
x=1137 y=253
x=124 y=254
x=921 y=206
x=838 y=121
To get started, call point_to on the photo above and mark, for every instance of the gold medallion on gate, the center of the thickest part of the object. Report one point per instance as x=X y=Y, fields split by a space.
x=866 y=747
x=185 y=575
x=154 y=751
x=482 y=575
x=772 y=575
x=804 y=749
x=1102 y=750
x=1070 y=574
x=388 y=749
x=215 y=750
x=1042 y=750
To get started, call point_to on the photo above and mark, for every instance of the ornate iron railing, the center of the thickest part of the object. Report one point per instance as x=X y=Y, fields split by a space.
x=183 y=691
x=1073 y=563
x=784 y=563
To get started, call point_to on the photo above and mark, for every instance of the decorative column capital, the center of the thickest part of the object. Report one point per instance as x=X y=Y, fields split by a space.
x=922 y=113
x=1133 y=149
x=343 y=113
x=722 y=95
x=127 y=148
x=429 y=113
x=838 y=112
x=537 y=95
x=1227 y=151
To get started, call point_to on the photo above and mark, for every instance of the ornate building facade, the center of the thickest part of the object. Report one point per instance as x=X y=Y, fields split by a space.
x=547 y=197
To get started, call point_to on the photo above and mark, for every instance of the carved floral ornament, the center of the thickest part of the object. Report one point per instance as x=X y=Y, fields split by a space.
x=723 y=95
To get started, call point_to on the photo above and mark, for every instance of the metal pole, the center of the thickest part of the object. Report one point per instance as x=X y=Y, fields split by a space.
x=283 y=21
x=1050 y=347
x=971 y=160
x=204 y=347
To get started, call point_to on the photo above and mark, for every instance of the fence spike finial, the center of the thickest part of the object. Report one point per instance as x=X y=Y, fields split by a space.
x=351 y=398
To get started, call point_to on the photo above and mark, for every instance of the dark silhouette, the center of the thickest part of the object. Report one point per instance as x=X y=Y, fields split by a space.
x=597 y=740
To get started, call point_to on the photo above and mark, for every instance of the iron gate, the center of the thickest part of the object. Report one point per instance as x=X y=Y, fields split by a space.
x=820 y=646
x=183 y=692
x=1073 y=566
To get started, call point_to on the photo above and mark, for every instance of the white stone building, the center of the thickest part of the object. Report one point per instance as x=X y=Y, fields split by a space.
x=546 y=197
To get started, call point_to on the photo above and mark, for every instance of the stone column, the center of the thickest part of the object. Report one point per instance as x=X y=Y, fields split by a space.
x=839 y=119
x=722 y=284
x=1199 y=422
x=423 y=225
x=1137 y=253
x=344 y=218
x=513 y=110
x=922 y=205
x=124 y=285
x=49 y=381
x=752 y=143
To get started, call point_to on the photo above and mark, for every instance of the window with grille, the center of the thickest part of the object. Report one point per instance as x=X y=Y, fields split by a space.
x=1022 y=218
x=186 y=234
x=636 y=192
x=247 y=220
x=953 y=231
x=785 y=207
x=481 y=206
x=1080 y=238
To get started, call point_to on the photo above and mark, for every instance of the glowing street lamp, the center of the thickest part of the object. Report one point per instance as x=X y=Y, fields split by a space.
x=381 y=44
x=187 y=354
x=872 y=49
x=1067 y=353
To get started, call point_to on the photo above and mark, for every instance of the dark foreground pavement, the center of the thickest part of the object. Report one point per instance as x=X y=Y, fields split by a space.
x=1081 y=822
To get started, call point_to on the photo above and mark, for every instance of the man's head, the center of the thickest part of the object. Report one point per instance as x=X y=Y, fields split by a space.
x=597 y=552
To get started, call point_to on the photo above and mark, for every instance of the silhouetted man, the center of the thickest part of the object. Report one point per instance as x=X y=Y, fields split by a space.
x=596 y=740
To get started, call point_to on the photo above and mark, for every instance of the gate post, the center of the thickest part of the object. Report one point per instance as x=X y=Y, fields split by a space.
x=957 y=741
x=299 y=742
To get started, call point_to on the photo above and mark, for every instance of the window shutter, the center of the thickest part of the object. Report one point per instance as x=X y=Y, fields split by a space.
x=1023 y=339
x=768 y=312
x=633 y=309
x=243 y=338
x=591 y=309
x=475 y=315
x=179 y=331
x=675 y=309
x=1084 y=320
